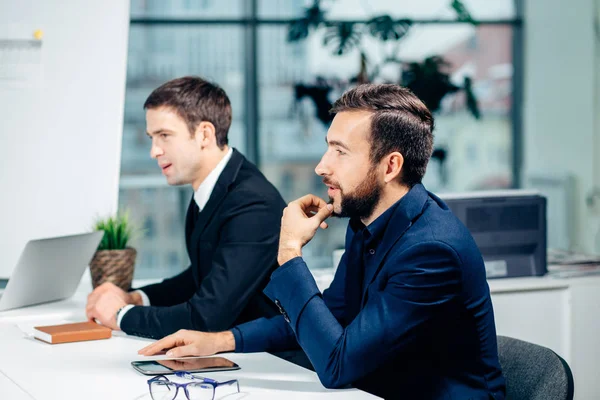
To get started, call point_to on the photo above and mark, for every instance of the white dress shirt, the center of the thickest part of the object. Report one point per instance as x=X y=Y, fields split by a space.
x=201 y=197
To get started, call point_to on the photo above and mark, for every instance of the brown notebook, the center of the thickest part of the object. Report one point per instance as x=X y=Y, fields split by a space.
x=76 y=332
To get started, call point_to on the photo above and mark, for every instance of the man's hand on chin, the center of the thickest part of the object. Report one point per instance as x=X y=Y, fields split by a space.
x=299 y=224
x=104 y=309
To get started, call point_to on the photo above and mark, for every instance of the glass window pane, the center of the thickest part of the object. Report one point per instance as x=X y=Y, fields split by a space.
x=478 y=152
x=156 y=55
x=362 y=9
x=205 y=9
x=292 y=139
x=298 y=81
x=160 y=53
x=282 y=9
x=159 y=211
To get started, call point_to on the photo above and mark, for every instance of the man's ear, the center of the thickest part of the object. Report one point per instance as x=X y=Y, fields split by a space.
x=205 y=134
x=393 y=166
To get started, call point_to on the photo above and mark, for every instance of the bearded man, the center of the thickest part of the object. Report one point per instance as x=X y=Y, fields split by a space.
x=408 y=314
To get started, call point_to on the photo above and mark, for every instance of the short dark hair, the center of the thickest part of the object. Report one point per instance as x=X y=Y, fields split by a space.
x=195 y=100
x=400 y=122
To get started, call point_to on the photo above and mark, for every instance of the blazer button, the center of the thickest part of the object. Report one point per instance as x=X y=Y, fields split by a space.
x=278 y=304
x=286 y=317
x=371 y=251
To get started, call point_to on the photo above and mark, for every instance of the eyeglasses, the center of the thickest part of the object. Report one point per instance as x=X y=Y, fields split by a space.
x=161 y=388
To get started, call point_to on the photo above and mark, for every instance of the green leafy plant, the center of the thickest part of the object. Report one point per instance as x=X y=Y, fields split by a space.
x=344 y=36
x=301 y=27
x=430 y=81
x=385 y=28
x=118 y=231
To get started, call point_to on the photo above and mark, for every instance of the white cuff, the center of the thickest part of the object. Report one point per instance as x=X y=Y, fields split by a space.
x=144 y=296
x=122 y=313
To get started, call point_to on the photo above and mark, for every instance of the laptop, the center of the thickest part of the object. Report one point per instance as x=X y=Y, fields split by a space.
x=49 y=269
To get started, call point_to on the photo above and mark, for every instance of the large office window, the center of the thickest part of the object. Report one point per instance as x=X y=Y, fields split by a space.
x=285 y=127
x=158 y=53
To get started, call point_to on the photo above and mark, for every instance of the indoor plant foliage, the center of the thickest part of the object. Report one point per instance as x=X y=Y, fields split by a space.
x=428 y=79
x=114 y=261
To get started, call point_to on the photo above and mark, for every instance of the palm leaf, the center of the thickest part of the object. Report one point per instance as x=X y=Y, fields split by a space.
x=429 y=81
x=342 y=36
x=298 y=30
x=301 y=27
x=385 y=28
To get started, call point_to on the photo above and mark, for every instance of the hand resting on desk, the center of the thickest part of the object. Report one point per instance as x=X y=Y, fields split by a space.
x=104 y=302
x=191 y=343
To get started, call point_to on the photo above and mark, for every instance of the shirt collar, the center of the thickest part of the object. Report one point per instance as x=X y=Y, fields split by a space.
x=376 y=228
x=205 y=189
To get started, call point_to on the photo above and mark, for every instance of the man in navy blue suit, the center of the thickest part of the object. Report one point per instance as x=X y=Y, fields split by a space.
x=408 y=314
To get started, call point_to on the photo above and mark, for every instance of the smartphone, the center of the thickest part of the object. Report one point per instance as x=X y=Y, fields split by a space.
x=190 y=364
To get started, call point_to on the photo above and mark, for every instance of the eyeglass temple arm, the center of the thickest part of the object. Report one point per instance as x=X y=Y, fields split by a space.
x=237 y=383
x=185 y=374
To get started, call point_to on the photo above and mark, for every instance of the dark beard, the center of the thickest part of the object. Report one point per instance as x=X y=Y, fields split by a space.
x=362 y=202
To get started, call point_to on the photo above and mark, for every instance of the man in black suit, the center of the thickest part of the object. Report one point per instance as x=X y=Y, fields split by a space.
x=232 y=225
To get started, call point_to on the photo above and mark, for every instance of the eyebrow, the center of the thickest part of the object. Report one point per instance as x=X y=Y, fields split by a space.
x=156 y=132
x=336 y=143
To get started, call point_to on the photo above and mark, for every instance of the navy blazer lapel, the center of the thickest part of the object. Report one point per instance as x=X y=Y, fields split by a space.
x=221 y=188
x=409 y=208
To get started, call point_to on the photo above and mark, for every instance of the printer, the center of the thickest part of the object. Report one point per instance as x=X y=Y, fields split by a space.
x=509 y=227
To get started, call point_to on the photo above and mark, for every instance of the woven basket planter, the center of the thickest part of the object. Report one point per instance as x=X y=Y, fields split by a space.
x=114 y=266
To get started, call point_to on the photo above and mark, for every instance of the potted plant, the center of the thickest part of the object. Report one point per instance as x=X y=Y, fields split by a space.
x=114 y=261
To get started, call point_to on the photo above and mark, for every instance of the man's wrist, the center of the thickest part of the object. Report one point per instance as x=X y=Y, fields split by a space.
x=287 y=252
x=135 y=298
x=226 y=342
x=121 y=313
x=286 y=255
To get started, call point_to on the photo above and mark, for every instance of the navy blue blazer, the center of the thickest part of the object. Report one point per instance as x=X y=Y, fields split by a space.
x=232 y=245
x=425 y=329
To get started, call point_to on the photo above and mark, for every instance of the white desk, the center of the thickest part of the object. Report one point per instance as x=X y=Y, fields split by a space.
x=562 y=314
x=10 y=390
x=30 y=369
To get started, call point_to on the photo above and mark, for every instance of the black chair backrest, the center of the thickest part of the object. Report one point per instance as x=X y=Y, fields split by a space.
x=534 y=372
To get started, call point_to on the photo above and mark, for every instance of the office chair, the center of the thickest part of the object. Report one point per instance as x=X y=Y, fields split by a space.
x=534 y=372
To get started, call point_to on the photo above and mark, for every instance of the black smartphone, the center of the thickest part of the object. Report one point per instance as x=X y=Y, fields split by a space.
x=190 y=364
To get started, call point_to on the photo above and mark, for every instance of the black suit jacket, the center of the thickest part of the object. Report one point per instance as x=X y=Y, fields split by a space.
x=232 y=246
